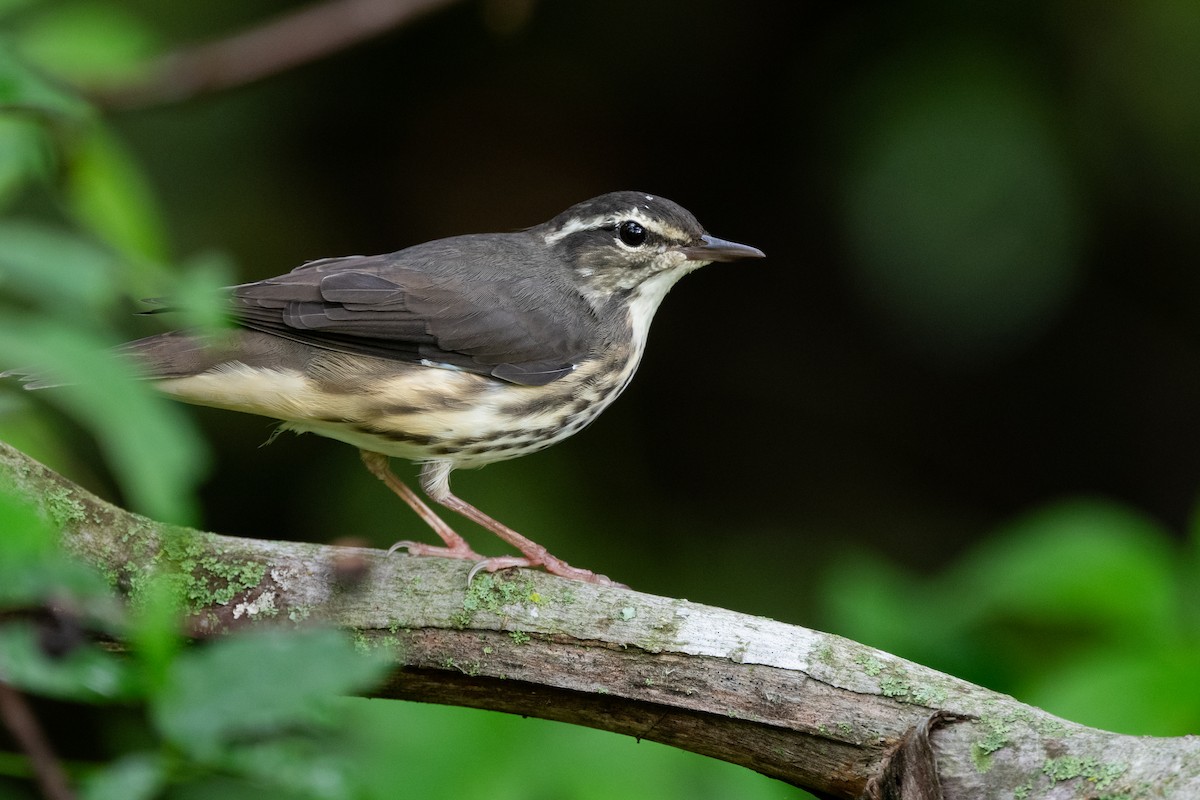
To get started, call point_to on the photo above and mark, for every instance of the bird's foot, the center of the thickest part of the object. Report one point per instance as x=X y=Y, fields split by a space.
x=462 y=551
x=495 y=564
x=554 y=566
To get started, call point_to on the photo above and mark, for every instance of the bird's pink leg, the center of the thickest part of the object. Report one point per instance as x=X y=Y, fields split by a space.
x=435 y=480
x=456 y=546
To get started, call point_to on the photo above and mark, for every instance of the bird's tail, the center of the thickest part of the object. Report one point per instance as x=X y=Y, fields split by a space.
x=176 y=354
x=33 y=378
x=165 y=355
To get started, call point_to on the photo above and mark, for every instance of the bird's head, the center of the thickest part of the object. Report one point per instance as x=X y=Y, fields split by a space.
x=630 y=243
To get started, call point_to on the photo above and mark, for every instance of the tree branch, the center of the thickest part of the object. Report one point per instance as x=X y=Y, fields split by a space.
x=809 y=708
x=277 y=45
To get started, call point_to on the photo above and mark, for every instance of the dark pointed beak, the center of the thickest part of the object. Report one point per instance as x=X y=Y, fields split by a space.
x=713 y=249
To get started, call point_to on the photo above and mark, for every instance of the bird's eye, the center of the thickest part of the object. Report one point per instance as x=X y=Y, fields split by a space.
x=631 y=233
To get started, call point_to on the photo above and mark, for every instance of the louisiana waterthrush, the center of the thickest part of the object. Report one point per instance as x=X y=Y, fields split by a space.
x=454 y=353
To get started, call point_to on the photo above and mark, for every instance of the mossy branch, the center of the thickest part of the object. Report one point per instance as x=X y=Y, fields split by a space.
x=812 y=709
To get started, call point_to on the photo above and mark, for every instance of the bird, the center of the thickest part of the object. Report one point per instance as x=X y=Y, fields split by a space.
x=453 y=354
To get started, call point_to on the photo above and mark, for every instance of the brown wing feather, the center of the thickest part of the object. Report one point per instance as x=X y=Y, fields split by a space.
x=445 y=302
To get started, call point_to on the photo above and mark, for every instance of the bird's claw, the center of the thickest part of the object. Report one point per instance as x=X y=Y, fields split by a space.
x=495 y=564
x=547 y=562
x=422 y=549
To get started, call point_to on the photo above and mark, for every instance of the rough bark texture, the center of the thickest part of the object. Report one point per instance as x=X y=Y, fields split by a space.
x=809 y=708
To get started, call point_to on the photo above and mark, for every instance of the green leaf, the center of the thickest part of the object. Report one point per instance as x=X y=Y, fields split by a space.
x=85 y=673
x=151 y=444
x=872 y=599
x=33 y=571
x=110 y=196
x=87 y=42
x=310 y=766
x=250 y=686
x=24 y=154
x=1164 y=700
x=196 y=290
x=9 y=6
x=215 y=786
x=137 y=776
x=1060 y=564
x=155 y=633
x=27 y=539
x=23 y=88
x=56 y=270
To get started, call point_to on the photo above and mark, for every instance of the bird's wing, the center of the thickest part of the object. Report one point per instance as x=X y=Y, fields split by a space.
x=438 y=303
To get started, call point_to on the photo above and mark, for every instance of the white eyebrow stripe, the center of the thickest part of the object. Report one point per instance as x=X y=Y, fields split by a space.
x=575 y=226
x=636 y=214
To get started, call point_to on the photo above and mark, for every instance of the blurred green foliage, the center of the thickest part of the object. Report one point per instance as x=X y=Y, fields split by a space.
x=215 y=718
x=1083 y=608
x=97 y=236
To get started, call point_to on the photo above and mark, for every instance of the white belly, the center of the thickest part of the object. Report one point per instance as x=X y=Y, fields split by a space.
x=415 y=412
